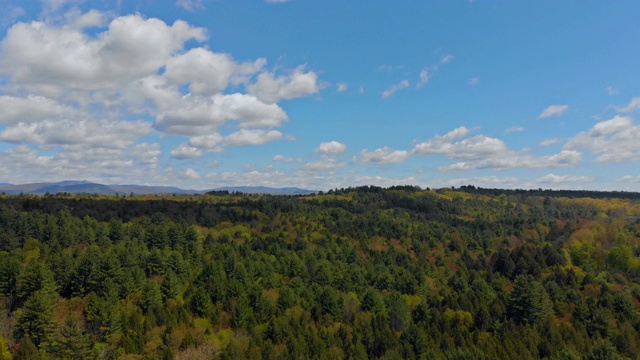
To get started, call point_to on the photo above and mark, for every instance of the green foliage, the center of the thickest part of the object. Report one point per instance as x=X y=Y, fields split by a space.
x=619 y=257
x=36 y=317
x=398 y=273
x=527 y=302
x=27 y=350
x=5 y=354
x=70 y=341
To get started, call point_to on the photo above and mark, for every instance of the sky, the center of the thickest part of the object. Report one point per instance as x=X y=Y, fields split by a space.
x=325 y=94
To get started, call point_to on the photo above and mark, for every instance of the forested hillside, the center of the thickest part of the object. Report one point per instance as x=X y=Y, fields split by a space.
x=398 y=273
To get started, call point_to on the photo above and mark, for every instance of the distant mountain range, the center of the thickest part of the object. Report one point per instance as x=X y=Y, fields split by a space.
x=87 y=187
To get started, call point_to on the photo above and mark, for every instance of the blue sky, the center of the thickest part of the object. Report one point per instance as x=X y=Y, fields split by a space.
x=321 y=94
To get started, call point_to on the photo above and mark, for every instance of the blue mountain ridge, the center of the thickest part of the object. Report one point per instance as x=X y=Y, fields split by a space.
x=87 y=187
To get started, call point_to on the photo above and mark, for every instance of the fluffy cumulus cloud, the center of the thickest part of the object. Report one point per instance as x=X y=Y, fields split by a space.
x=184 y=151
x=39 y=56
x=207 y=72
x=96 y=83
x=483 y=152
x=252 y=137
x=553 y=110
x=331 y=147
x=118 y=134
x=136 y=164
x=613 y=140
x=197 y=115
x=271 y=89
x=384 y=155
x=191 y=174
x=30 y=109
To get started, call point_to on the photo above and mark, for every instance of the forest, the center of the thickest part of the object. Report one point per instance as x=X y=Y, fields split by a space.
x=355 y=273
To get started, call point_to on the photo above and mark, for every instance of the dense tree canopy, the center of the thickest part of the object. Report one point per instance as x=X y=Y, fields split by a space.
x=352 y=273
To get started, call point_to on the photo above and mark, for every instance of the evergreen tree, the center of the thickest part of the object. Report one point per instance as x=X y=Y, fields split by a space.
x=36 y=317
x=527 y=301
x=70 y=341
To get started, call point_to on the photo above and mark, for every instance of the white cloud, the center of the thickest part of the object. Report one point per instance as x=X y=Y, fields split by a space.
x=207 y=72
x=184 y=151
x=476 y=147
x=563 y=179
x=342 y=87
x=513 y=159
x=613 y=140
x=252 y=137
x=548 y=142
x=30 y=109
x=79 y=20
x=73 y=85
x=423 y=78
x=253 y=178
x=331 y=147
x=270 y=89
x=446 y=59
x=553 y=110
x=276 y=1
x=196 y=115
x=383 y=181
x=482 y=152
x=37 y=56
x=629 y=179
x=514 y=129
x=137 y=164
x=547 y=181
x=633 y=105
x=109 y=134
x=324 y=164
x=384 y=155
x=393 y=89
x=282 y=158
x=191 y=174
x=210 y=141
x=190 y=5
x=615 y=125
x=474 y=81
x=146 y=153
